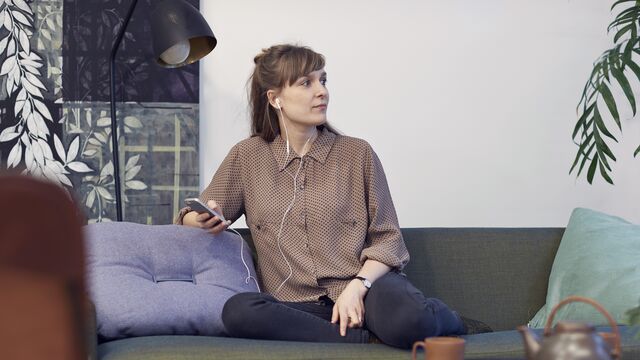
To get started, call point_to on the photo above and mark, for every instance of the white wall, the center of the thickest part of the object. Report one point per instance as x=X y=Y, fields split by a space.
x=470 y=104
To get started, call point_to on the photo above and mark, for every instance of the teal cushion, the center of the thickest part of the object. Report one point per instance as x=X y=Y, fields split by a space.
x=598 y=257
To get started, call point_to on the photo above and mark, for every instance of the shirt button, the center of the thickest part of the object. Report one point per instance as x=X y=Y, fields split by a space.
x=301 y=186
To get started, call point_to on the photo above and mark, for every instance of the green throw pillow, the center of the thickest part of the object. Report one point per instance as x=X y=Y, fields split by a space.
x=598 y=257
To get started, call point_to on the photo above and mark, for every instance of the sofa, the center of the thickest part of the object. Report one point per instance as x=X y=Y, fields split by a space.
x=495 y=275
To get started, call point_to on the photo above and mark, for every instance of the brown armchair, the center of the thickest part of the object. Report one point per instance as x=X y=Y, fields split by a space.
x=43 y=306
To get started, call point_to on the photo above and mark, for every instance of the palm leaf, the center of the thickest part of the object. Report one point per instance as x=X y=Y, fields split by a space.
x=582 y=153
x=600 y=145
x=592 y=169
x=611 y=103
x=601 y=126
x=586 y=157
x=622 y=31
x=615 y=59
x=627 y=16
x=628 y=49
x=634 y=67
x=582 y=120
x=619 y=2
x=626 y=87
x=579 y=155
x=595 y=74
x=605 y=67
x=590 y=132
x=604 y=174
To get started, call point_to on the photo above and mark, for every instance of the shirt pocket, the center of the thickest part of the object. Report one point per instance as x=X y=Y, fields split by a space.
x=350 y=223
x=354 y=225
x=351 y=238
x=264 y=231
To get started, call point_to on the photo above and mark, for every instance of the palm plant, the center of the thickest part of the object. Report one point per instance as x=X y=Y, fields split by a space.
x=591 y=134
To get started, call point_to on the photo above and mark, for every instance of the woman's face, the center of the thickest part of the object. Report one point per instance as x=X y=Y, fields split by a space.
x=305 y=101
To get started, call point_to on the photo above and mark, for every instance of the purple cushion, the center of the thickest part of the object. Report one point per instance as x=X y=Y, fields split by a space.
x=162 y=279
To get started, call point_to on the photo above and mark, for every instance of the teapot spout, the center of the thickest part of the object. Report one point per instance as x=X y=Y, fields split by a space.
x=531 y=342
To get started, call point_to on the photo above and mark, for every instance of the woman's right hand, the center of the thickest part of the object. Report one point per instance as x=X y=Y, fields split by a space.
x=205 y=221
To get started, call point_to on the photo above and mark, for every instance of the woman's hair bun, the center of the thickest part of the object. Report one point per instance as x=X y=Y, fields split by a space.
x=259 y=57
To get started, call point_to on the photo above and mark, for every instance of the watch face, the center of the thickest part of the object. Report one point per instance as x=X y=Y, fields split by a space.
x=365 y=282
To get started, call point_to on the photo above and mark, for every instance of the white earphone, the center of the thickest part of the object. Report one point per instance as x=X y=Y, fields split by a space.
x=279 y=107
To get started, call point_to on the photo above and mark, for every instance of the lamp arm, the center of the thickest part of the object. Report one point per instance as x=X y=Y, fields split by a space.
x=114 y=123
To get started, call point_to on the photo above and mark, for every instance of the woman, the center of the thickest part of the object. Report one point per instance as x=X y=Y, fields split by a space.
x=330 y=250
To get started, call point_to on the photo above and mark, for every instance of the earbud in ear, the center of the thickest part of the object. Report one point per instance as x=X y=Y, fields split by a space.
x=278 y=103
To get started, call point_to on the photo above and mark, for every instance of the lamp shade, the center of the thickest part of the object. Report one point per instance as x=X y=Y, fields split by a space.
x=180 y=34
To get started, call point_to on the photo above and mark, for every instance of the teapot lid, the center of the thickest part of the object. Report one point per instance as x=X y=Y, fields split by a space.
x=574 y=326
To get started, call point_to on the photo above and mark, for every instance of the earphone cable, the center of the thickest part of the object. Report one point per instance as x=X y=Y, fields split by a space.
x=249 y=276
x=295 y=191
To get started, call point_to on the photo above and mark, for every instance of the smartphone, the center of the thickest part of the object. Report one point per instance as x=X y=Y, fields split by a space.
x=198 y=206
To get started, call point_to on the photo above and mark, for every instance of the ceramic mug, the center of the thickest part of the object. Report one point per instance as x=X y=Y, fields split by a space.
x=440 y=348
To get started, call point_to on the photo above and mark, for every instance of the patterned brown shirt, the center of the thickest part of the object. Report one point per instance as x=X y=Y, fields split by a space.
x=342 y=215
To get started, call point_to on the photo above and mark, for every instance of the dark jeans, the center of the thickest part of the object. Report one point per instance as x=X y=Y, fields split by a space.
x=395 y=311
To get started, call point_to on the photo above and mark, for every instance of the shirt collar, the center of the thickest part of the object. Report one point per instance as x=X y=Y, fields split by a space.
x=319 y=149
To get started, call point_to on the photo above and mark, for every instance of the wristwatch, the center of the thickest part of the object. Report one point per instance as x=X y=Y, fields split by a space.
x=365 y=281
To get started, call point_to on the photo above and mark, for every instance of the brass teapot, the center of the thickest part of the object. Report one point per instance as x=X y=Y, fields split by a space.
x=572 y=340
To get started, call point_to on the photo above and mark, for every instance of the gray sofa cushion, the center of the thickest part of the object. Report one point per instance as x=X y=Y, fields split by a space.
x=495 y=275
x=498 y=345
x=162 y=279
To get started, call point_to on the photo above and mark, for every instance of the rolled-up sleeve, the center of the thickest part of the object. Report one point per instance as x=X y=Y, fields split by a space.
x=226 y=188
x=384 y=239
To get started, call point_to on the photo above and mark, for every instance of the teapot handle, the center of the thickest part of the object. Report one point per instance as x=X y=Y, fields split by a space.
x=547 y=328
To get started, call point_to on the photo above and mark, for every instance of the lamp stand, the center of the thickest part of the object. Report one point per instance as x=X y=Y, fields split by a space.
x=114 y=121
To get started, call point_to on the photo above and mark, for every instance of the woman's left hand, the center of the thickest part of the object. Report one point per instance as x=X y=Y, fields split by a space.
x=349 y=308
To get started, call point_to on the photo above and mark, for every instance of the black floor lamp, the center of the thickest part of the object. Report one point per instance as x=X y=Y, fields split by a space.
x=181 y=36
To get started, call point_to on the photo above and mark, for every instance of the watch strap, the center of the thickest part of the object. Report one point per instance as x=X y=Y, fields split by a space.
x=365 y=281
